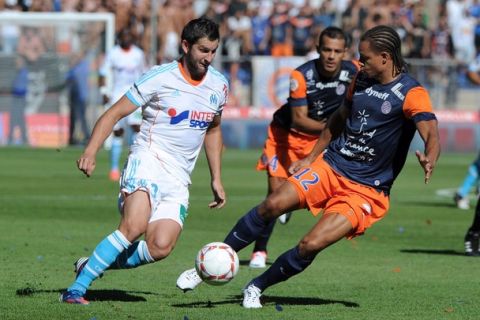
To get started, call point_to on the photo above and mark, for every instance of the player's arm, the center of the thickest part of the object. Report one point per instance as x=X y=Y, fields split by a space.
x=418 y=107
x=102 y=129
x=333 y=129
x=213 y=149
x=428 y=131
x=303 y=123
x=298 y=106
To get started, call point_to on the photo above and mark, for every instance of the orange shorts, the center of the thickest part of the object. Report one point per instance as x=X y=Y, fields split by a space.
x=282 y=148
x=319 y=188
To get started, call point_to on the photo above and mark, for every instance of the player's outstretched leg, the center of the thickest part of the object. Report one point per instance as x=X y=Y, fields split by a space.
x=251 y=297
x=103 y=256
x=287 y=265
x=136 y=255
x=188 y=280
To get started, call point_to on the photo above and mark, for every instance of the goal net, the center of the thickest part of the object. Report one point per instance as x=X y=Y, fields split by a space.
x=49 y=64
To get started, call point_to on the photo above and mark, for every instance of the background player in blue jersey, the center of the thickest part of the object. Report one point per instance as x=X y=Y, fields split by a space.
x=317 y=89
x=471 y=179
x=181 y=103
x=349 y=173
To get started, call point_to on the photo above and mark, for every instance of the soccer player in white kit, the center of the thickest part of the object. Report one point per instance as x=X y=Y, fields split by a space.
x=181 y=103
x=127 y=63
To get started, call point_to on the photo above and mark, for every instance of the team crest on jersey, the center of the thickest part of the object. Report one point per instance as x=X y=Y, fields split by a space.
x=309 y=74
x=344 y=76
x=213 y=99
x=293 y=84
x=340 y=89
x=386 y=107
x=198 y=119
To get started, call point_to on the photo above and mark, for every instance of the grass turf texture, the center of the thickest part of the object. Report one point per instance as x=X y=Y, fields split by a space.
x=410 y=265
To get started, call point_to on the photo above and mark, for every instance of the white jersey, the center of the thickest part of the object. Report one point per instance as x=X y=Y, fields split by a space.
x=126 y=66
x=176 y=114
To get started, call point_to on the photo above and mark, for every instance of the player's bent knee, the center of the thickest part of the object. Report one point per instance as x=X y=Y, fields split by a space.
x=309 y=246
x=270 y=208
x=159 y=249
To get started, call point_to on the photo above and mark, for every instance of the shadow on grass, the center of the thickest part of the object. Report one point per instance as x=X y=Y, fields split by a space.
x=431 y=204
x=268 y=300
x=93 y=295
x=447 y=252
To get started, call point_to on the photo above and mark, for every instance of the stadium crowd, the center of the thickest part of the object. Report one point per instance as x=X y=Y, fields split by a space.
x=441 y=30
x=287 y=27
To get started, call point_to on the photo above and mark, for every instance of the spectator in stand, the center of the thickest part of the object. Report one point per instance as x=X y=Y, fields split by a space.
x=303 y=25
x=462 y=26
x=9 y=33
x=325 y=14
x=379 y=13
x=279 y=31
x=444 y=75
x=173 y=15
x=475 y=12
x=237 y=40
x=259 y=20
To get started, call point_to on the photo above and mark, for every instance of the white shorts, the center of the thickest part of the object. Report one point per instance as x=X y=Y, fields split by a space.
x=168 y=196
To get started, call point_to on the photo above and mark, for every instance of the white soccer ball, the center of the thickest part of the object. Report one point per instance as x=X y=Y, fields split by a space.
x=216 y=263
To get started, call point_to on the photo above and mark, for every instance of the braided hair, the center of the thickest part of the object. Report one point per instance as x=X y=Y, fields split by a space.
x=384 y=38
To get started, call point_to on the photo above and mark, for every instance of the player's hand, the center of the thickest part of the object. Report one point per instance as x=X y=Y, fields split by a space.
x=86 y=163
x=295 y=166
x=426 y=164
x=219 y=198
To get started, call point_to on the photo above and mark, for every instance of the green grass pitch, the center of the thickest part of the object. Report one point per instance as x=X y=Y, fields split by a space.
x=410 y=265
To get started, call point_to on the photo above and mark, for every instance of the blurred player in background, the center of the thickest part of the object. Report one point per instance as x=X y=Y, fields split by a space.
x=317 y=89
x=471 y=179
x=182 y=103
x=126 y=62
x=366 y=143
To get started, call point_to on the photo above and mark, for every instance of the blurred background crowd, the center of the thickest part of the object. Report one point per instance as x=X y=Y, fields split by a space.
x=435 y=29
x=441 y=38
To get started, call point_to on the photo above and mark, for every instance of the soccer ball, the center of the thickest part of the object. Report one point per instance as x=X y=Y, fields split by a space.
x=216 y=263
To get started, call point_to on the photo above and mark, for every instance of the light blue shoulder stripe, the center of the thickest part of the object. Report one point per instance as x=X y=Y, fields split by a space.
x=216 y=73
x=155 y=71
x=132 y=99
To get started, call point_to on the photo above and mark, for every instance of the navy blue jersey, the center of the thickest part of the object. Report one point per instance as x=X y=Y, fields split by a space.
x=373 y=146
x=322 y=95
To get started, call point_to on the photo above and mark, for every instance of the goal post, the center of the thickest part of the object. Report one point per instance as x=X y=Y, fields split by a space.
x=45 y=59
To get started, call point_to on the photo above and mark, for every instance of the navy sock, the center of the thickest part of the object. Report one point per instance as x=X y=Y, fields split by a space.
x=264 y=236
x=476 y=219
x=246 y=230
x=287 y=265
